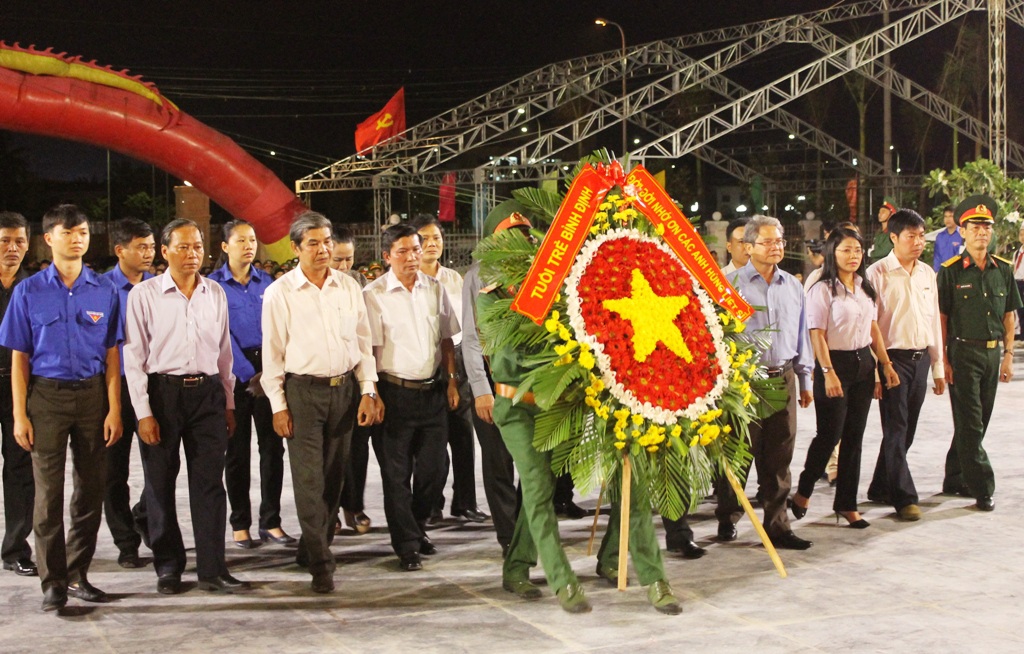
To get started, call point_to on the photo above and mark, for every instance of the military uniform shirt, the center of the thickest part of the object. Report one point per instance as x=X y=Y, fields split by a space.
x=975 y=300
x=65 y=331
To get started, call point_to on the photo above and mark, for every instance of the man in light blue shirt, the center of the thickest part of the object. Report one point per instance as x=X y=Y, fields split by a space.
x=780 y=317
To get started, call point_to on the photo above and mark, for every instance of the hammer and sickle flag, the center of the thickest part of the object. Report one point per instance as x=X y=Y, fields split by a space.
x=384 y=124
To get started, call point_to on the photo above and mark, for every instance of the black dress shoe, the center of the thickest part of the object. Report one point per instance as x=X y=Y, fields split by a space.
x=691 y=550
x=128 y=559
x=436 y=516
x=54 y=598
x=168 y=584
x=427 y=547
x=22 y=567
x=86 y=592
x=470 y=515
x=571 y=510
x=790 y=541
x=985 y=504
x=410 y=562
x=727 y=531
x=323 y=583
x=280 y=540
x=224 y=583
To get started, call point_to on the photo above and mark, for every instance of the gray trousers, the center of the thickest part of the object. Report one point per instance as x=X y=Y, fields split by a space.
x=323 y=418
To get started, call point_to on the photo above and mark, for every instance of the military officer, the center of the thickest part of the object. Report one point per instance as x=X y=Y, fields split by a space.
x=977 y=299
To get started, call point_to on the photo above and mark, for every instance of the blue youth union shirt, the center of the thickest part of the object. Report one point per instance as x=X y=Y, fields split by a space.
x=66 y=332
x=123 y=287
x=245 y=312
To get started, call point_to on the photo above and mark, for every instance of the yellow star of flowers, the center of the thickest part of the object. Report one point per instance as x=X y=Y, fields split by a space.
x=653 y=319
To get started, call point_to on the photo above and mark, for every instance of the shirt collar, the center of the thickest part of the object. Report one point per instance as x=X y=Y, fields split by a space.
x=299 y=279
x=989 y=259
x=167 y=282
x=120 y=280
x=748 y=272
x=223 y=274
x=87 y=276
x=393 y=283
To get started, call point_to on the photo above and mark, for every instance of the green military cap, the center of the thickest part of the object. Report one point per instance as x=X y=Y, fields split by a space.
x=511 y=213
x=979 y=208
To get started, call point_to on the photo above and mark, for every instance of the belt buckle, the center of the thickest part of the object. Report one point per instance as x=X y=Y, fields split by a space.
x=191 y=382
x=916 y=356
x=991 y=344
x=336 y=381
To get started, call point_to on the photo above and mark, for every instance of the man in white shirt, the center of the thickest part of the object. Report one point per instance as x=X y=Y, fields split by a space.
x=460 y=421
x=738 y=256
x=908 y=317
x=317 y=362
x=412 y=323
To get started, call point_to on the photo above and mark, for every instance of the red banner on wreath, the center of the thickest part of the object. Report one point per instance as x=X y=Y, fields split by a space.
x=557 y=253
x=679 y=234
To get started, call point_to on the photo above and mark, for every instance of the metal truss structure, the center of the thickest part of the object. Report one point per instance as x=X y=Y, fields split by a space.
x=659 y=75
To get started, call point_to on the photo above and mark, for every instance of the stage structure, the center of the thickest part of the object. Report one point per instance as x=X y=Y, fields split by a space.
x=749 y=118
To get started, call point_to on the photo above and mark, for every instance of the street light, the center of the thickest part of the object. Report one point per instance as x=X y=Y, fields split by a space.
x=604 y=23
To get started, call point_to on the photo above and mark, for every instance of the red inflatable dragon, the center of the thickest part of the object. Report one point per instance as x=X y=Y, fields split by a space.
x=51 y=94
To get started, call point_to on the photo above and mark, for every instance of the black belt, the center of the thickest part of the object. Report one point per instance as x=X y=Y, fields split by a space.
x=989 y=345
x=68 y=384
x=912 y=355
x=778 y=371
x=320 y=381
x=412 y=384
x=184 y=381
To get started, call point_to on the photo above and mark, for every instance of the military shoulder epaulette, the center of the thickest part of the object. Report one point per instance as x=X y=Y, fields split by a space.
x=950 y=261
x=1006 y=261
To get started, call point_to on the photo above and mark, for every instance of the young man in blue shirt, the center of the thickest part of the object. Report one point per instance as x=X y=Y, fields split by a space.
x=62 y=328
x=948 y=242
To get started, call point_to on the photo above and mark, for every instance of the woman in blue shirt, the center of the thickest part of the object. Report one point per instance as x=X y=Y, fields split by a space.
x=244 y=285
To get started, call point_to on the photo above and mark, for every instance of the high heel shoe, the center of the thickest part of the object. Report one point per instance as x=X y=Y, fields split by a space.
x=358 y=521
x=798 y=511
x=854 y=524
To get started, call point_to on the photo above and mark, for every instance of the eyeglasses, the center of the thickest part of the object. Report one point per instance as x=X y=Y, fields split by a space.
x=768 y=245
x=850 y=251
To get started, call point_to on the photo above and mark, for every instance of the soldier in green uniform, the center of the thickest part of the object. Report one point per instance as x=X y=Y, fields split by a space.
x=883 y=244
x=977 y=299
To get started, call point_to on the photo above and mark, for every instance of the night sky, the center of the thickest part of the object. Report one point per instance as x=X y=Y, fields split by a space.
x=296 y=77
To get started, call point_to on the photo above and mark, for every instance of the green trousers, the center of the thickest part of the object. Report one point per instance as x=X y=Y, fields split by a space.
x=973 y=394
x=536 y=529
x=643 y=542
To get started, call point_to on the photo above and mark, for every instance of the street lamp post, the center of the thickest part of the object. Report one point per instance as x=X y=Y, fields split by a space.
x=604 y=23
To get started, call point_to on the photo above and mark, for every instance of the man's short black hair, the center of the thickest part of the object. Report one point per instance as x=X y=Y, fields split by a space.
x=426 y=220
x=176 y=224
x=343 y=234
x=64 y=215
x=13 y=220
x=126 y=230
x=904 y=219
x=396 y=232
x=733 y=225
x=948 y=209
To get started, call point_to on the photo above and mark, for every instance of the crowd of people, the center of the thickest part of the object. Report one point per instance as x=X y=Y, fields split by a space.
x=321 y=362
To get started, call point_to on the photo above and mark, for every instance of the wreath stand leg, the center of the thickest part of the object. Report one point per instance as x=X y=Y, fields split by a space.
x=597 y=514
x=624 y=523
x=741 y=494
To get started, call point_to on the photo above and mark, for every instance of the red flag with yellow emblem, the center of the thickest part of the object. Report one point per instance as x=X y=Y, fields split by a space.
x=384 y=124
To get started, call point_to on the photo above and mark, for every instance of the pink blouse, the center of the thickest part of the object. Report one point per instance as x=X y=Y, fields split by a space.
x=846 y=317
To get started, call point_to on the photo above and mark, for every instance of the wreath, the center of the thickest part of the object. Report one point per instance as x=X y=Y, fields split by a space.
x=634 y=358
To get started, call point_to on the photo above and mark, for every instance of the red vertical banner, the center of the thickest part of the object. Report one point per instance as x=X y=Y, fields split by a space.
x=446 y=199
x=682 y=238
x=562 y=244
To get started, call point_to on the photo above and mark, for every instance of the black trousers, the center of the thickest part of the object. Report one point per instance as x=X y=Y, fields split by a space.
x=462 y=461
x=564 y=490
x=196 y=419
x=19 y=485
x=677 y=532
x=841 y=418
x=117 y=500
x=412 y=457
x=250 y=409
x=900 y=408
x=352 y=492
x=322 y=421
x=62 y=419
x=499 y=474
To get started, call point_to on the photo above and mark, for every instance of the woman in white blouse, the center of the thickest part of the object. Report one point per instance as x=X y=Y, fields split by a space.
x=841 y=317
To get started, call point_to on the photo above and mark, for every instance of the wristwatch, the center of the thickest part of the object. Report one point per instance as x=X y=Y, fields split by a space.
x=826 y=370
x=454 y=376
x=371 y=395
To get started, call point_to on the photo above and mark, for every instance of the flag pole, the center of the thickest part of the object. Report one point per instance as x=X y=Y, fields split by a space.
x=742 y=496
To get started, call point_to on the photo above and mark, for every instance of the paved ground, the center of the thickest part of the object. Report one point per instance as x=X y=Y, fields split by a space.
x=949 y=583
